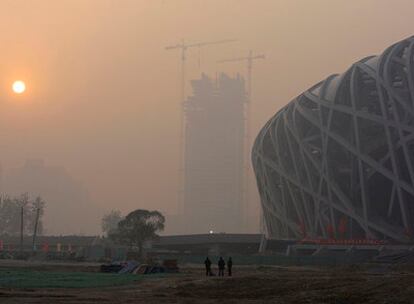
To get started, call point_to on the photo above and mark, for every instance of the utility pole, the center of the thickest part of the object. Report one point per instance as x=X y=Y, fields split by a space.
x=35 y=229
x=249 y=59
x=21 y=231
x=184 y=47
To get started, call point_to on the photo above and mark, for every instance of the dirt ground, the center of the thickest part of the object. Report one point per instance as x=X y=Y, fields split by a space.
x=248 y=285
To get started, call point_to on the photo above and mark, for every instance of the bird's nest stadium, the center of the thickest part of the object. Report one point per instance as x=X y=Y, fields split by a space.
x=338 y=160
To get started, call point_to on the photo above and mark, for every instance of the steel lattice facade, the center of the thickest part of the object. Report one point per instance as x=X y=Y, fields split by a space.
x=337 y=161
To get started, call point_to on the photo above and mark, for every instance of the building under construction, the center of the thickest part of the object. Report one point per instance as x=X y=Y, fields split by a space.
x=214 y=155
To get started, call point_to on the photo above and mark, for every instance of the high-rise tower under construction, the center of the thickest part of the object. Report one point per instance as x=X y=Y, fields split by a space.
x=214 y=155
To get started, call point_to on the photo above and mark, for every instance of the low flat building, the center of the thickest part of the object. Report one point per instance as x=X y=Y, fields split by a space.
x=214 y=244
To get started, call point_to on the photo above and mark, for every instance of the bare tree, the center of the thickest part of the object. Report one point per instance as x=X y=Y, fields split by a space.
x=37 y=204
x=109 y=222
x=10 y=214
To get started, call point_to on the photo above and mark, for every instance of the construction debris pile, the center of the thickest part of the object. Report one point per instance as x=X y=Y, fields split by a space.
x=133 y=267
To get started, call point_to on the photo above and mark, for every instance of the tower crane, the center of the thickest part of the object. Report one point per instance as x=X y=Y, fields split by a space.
x=249 y=60
x=184 y=47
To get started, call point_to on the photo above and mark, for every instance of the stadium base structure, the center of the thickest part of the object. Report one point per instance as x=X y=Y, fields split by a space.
x=337 y=161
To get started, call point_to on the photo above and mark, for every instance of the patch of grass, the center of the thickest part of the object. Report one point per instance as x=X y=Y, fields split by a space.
x=43 y=279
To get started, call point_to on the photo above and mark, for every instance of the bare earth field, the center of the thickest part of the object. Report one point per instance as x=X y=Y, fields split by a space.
x=248 y=285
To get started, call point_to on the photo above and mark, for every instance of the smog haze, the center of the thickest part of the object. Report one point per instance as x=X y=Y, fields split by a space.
x=102 y=100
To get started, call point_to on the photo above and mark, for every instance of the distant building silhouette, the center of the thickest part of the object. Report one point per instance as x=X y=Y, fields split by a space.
x=214 y=155
x=68 y=206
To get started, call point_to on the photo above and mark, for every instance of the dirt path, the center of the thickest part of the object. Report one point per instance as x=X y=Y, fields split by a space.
x=249 y=285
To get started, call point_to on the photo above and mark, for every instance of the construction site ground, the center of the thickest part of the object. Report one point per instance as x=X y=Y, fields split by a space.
x=250 y=284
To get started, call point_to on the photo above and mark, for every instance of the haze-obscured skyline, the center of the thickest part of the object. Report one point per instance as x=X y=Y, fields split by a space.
x=102 y=94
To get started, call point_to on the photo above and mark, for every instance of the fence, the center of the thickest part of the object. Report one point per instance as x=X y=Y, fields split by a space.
x=277 y=260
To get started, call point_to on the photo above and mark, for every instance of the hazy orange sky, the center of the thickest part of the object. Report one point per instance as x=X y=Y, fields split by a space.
x=102 y=92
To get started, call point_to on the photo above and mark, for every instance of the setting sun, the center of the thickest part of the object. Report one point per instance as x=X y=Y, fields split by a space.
x=18 y=87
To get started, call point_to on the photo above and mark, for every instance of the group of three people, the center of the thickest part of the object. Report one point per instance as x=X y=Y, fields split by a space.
x=221 y=266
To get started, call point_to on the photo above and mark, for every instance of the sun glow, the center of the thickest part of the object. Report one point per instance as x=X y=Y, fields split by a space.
x=19 y=87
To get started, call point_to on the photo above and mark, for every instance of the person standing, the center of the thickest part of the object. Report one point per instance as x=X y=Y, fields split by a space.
x=221 y=267
x=229 y=266
x=207 y=263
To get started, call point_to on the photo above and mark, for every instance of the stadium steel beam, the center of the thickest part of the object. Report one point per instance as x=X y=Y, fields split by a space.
x=342 y=153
